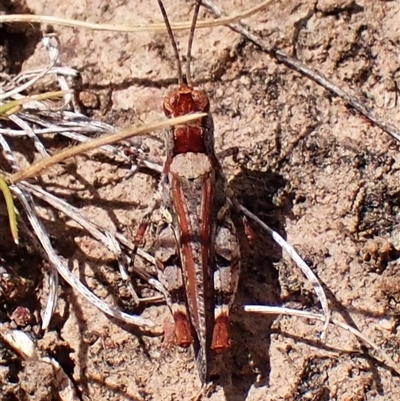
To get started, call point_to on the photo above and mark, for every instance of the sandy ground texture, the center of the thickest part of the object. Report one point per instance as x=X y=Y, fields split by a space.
x=310 y=166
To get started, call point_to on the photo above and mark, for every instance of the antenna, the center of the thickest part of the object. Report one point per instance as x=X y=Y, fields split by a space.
x=190 y=42
x=174 y=46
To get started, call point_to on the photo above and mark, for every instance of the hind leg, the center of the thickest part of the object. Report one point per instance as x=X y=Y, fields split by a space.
x=170 y=275
x=226 y=276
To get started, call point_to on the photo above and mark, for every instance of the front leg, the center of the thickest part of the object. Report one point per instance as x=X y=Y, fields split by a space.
x=170 y=275
x=226 y=277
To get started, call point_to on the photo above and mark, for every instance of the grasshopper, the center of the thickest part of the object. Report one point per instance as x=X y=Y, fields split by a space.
x=197 y=250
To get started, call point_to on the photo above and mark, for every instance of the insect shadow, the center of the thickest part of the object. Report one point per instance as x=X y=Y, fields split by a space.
x=247 y=363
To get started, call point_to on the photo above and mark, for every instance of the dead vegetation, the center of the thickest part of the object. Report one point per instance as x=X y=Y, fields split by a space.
x=326 y=180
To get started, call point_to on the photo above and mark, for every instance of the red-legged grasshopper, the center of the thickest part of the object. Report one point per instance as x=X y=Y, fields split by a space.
x=197 y=250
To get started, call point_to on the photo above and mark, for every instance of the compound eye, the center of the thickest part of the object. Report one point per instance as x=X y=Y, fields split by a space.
x=169 y=104
x=201 y=101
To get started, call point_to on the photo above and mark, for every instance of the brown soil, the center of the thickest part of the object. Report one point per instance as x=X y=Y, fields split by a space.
x=311 y=167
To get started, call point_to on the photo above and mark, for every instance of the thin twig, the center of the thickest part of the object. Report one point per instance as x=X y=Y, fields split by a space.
x=45 y=19
x=144 y=324
x=275 y=310
x=300 y=263
x=316 y=76
x=107 y=238
x=38 y=167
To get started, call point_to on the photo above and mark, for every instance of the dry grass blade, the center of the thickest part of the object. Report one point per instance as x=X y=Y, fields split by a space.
x=276 y=310
x=45 y=19
x=12 y=218
x=65 y=386
x=20 y=342
x=116 y=249
x=13 y=106
x=38 y=114
x=145 y=324
x=110 y=240
x=25 y=86
x=30 y=134
x=8 y=154
x=52 y=298
x=38 y=167
x=300 y=263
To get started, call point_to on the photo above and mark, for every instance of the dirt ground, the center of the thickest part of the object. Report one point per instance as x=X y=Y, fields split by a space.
x=308 y=165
